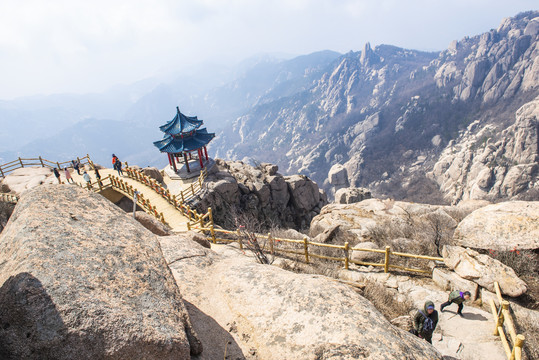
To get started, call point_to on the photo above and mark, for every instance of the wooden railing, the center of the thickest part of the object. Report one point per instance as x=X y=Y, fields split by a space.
x=119 y=185
x=9 y=198
x=6 y=168
x=502 y=316
x=304 y=248
x=180 y=201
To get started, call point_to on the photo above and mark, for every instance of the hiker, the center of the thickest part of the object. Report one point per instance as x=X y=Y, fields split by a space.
x=97 y=176
x=456 y=297
x=67 y=174
x=57 y=174
x=114 y=159
x=118 y=167
x=425 y=321
x=86 y=178
x=76 y=165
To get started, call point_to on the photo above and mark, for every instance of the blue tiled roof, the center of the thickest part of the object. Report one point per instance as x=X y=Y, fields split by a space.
x=181 y=124
x=175 y=145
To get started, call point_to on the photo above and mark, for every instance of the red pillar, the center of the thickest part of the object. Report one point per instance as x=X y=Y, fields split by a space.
x=200 y=158
x=169 y=159
x=206 y=151
x=186 y=162
x=173 y=158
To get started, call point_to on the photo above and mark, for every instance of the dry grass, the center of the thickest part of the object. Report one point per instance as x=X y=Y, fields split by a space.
x=385 y=300
x=531 y=345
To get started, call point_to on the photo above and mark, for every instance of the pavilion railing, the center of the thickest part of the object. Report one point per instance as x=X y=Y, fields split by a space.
x=180 y=201
x=6 y=168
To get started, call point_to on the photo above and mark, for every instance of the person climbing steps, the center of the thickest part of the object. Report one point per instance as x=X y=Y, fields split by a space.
x=425 y=321
x=456 y=297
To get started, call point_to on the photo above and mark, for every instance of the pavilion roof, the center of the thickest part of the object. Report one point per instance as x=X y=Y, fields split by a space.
x=181 y=124
x=174 y=145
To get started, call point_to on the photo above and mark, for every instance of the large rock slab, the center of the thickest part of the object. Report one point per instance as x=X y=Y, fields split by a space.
x=269 y=313
x=351 y=195
x=81 y=280
x=20 y=180
x=450 y=281
x=502 y=227
x=483 y=270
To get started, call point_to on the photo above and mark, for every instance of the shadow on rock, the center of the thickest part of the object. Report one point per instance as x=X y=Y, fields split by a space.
x=216 y=341
x=30 y=324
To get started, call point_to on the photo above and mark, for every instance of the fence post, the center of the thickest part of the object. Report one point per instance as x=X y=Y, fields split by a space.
x=346 y=245
x=41 y=161
x=183 y=199
x=58 y=164
x=192 y=189
x=2 y=172
x=499 y=323
x=162 y=218
x=200 y=182
x=516 y=354
x=306 y=248
x=270 y=239
x=22 y=165
x=239 y=239
x=175 y=201
x=386 y=263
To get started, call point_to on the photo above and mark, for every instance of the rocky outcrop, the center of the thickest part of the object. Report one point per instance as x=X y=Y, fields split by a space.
x=383 y=221
x=501 y=227
x=268 y=313
x=486 y=163
x=483 y=270
x=20 y=180
x=82 y=280
x=351 y=195
x=151 y=223
x=260 y=194
x=154 y=173
x=451 y=281
x=338 y=177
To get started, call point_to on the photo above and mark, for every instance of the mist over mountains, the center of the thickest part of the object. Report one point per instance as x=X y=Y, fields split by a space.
x=385 y=113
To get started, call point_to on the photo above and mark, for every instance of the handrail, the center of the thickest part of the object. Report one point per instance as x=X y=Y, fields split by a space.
x=502 y=316
x=195 y=220
x=39 y=161
x=9 y=198
x=274 y=247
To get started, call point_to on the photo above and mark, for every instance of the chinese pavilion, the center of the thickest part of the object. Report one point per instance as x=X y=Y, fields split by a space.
x=183 y=136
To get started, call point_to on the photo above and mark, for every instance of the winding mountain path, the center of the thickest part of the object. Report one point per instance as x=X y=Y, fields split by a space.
x=173 y=217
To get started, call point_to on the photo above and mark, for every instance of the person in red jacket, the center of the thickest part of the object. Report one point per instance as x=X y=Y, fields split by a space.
x=114 y=159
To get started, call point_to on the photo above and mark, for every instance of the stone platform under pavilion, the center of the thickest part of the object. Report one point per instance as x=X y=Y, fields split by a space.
x=181 y=172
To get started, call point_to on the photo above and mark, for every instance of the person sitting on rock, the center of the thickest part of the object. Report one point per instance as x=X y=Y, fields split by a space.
x=425 y=321
x=456 y=297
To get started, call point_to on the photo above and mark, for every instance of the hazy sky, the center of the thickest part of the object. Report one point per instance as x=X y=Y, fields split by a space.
x=52 y=46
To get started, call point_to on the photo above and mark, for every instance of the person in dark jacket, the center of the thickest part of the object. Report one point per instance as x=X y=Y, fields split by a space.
x=456 y=297
x=57 y=174
x=76 y=165
x=425 y=321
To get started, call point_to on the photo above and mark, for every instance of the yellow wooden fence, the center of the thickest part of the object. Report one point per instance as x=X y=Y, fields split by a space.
x=9 y=198
x=180 y=201
x=275 y=246
x=119 y=185
x=502 y=316
x=6 y=168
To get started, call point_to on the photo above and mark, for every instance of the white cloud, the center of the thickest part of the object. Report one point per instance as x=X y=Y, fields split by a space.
x=78 y=46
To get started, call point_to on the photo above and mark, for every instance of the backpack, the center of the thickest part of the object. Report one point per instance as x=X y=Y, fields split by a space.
x=428 y=324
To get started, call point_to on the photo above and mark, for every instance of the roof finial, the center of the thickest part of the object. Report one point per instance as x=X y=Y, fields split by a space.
x=178 y=108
